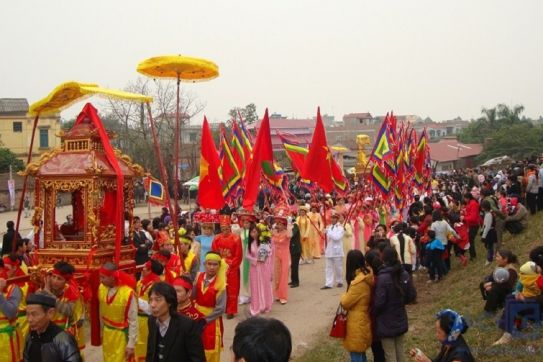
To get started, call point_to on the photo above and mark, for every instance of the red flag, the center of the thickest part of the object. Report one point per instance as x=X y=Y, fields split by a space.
x=317 y=166
x=262 y=159
x=209 y=186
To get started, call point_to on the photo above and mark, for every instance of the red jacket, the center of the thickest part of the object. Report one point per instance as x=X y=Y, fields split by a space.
x=472 y=217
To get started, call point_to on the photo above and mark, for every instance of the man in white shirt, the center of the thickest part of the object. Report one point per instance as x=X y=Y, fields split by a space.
x=333 y=254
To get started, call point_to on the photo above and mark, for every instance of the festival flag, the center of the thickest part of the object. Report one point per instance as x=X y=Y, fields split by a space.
x=338 y=176
x=421 y=161
x=382 y=149
x=411 y=149
x=262 y=160
x=209 y=187
x=237 y=148
x=317 y=166
x=155 y=191
x=278 y=178
x=380 y=179
x=228 y=169
x=296 y=153
x=247 y=138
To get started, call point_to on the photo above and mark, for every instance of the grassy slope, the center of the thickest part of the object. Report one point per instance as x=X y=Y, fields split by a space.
x=458 y=291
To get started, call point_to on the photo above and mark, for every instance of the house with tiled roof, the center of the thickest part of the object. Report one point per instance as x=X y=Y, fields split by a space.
x=301 y=129
x=449 y=154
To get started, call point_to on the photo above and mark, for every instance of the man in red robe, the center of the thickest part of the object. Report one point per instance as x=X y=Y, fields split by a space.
x=228 y=245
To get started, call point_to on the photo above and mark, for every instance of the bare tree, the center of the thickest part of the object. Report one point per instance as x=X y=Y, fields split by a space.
x=133 y=123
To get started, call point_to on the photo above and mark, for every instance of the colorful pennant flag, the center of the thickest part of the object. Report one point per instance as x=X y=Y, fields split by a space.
x=228 y=169
x=237 y=148
x=381 y=180
x=294 y=151
x=382 y=150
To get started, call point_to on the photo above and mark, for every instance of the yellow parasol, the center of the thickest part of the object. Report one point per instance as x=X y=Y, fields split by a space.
x=186 y=69
x=68 y=93
x=180 y=68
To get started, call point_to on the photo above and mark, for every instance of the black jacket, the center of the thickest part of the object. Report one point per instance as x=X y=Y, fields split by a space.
x=182 y=341
x=54 y=345
x=142 y=245
x=295 y=245
x=7 y=241
x=459 y=351
x=389 y=303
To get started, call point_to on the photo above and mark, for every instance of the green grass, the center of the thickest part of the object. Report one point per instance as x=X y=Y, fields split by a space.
x=458 y=291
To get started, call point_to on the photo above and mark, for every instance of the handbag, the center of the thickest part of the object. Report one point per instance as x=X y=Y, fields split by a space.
x=339 y=325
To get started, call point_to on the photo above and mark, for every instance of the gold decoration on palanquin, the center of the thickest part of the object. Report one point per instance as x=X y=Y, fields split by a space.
x=33 y=167
x=108 y=232
x=37 y=275
x=92 y=224
x=66 y=185
x=95 y=169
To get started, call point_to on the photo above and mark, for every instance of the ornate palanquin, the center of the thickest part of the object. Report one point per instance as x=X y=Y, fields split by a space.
x=80 y=167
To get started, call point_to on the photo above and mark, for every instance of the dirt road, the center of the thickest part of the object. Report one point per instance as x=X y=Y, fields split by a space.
x=309 y=310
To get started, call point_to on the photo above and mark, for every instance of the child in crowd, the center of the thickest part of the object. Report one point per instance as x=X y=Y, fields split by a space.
x=434 y=253
x=530 y=281
x=461 y=244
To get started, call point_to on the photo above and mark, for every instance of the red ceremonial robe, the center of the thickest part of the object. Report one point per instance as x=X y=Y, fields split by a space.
x=230 y=249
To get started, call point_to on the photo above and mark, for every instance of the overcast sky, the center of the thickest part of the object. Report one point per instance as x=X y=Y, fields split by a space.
x=431 y=58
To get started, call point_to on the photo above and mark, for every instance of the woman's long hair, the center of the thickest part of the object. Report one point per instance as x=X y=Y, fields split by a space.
x=252 y=227
x=355 y=261
x=391 y=259
x=399 y=230
x=373 y=260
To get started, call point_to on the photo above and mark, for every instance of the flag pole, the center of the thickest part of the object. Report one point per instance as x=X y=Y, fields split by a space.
x=176 y=158
x=21 y=201
x=163 y=173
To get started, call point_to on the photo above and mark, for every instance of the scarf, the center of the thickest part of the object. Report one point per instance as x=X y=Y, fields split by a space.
x=458 y=326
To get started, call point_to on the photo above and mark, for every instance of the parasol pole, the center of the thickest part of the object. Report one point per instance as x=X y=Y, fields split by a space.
x=29 y=159
x=176 y=185
x=163 y=174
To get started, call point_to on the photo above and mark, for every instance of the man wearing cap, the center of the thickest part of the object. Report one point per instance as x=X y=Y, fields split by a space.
x=174 y=263
x=190 y=262
x=185 y=305
x=150 y=274
x=210 y=300
x=119 y=313
x=228 y=245
x=10 y=298
x=69 y=309
x=47 y=341
x=163 y=257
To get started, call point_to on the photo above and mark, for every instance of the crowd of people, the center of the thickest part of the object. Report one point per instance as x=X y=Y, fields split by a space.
x=175 y=305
